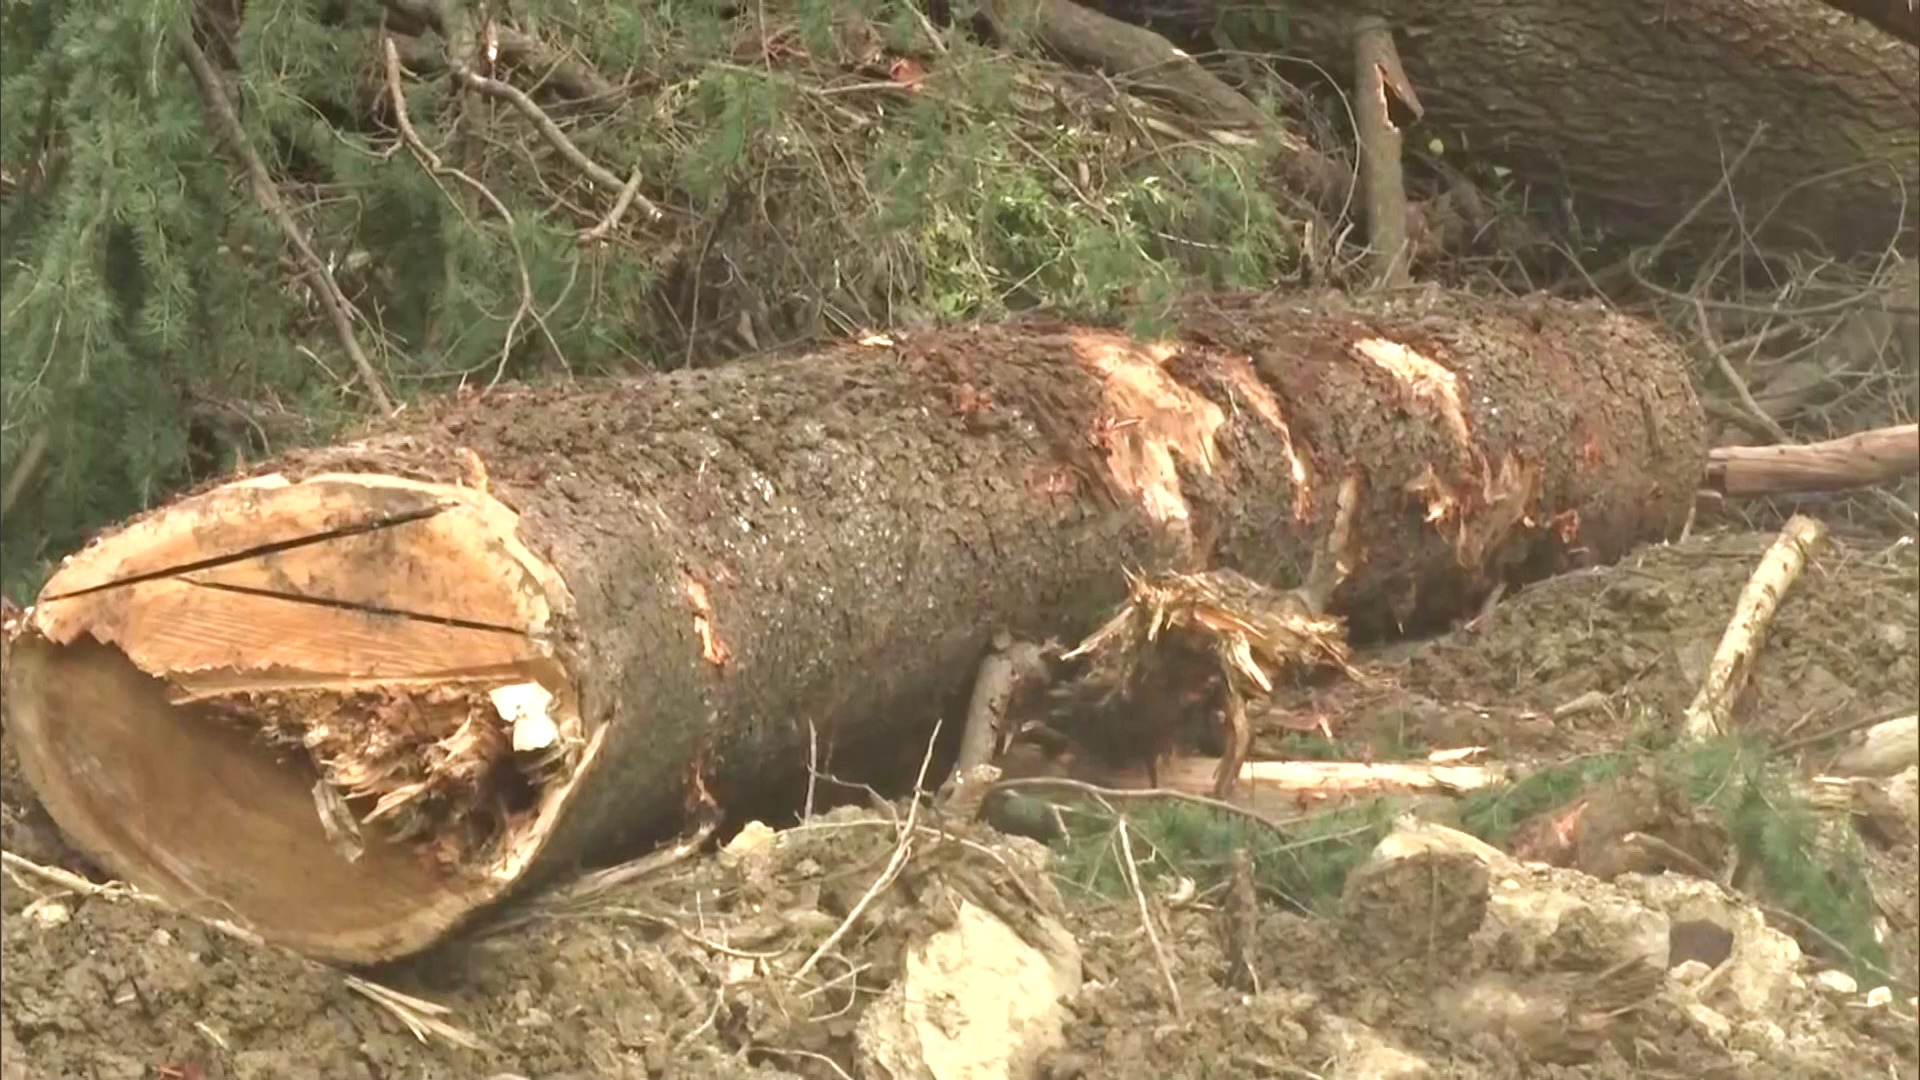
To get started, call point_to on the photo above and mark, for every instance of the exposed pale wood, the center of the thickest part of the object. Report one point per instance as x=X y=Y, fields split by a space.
x=310 y=613
x=1733 y=661
x=1277 y=784
x=173 y=627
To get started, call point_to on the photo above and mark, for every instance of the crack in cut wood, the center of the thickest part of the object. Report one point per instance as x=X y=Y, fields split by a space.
x=406 y=517
x=352 y=605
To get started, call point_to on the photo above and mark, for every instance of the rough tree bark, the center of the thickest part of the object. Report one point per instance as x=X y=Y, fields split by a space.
x=1636 y=106
x=541 y=626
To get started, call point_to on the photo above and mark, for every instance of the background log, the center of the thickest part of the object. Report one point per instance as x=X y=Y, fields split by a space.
x=541 y=626
x=1635 y=108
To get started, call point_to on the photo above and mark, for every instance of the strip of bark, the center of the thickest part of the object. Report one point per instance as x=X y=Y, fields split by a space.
x=1858 y=460
x=548 y=625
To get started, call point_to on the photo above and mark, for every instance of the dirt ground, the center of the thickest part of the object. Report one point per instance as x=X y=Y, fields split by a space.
x=688 y=972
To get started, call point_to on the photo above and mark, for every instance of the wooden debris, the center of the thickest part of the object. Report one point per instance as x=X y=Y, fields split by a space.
x=1859 y=460
x=1733 y=661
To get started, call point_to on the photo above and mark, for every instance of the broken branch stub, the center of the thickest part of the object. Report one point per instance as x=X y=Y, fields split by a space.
x=357 y=699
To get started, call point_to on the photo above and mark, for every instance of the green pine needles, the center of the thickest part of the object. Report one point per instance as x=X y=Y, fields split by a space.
x=821 y=168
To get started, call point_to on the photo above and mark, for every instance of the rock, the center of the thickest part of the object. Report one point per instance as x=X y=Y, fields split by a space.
x=973 y=1002
x=1361 y=1053
x=1422 y=893
x=1836 y=982
x=1761 y=971
x=753 y=836
x=1708 y=1020
x=1546 y=919
x=1882 y=750
x=1903 y=795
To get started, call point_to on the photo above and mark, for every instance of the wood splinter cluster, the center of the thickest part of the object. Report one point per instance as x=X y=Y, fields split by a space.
x=384 y=638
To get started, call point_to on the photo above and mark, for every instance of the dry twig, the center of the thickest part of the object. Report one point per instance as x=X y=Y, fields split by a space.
x=549 y=130
x=902 y=851
x=436 y=168
x=1711 y=343
x=1132 y=871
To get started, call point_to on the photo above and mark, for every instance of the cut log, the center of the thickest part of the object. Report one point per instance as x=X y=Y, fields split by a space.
x=373 y=689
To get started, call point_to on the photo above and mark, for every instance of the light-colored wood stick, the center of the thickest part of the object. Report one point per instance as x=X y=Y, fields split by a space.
x=1732 y=662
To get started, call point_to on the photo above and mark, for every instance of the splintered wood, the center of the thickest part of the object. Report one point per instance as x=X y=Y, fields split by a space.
x=1230 y=635
x=391 y=634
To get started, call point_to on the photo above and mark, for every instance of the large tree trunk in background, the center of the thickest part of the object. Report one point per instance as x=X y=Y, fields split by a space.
x=1636 y=106
x=699 y=567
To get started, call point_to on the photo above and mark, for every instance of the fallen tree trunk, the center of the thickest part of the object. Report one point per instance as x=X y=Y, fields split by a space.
x=531 y=629
x=1636 y=109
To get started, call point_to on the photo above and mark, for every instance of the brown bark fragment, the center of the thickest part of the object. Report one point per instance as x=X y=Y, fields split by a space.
x=682 y=577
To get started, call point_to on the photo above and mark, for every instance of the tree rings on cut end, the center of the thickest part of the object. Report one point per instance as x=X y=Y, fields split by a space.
x=327 y=708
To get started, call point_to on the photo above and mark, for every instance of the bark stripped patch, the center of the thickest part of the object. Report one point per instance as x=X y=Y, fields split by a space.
x=1246 y=385
x=1148 y=419
x=1425 y=380
x=1484 y=509
x=712 y=648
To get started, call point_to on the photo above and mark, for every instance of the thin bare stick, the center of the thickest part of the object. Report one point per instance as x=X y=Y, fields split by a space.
x=1003 y=668
x=1146 y=918
x=1095 y=791
x=813 y=768
x=1652 y=254
x=611 y=222
x=902 y=851
x=1719 y=356
x=74 y=883
x=420 y=1017
x=325 y=289
x=549 y=130
x=1733 y=661
x=431 y=162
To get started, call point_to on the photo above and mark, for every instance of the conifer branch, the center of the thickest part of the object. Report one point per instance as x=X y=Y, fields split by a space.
x=324 y=287
x=437 y=168
x=593 y=170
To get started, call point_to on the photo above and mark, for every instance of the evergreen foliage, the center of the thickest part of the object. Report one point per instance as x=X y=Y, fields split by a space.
x=823 y=165
x=1811 y=868
x=1302 y=865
